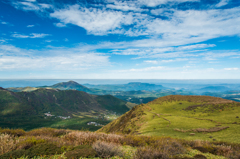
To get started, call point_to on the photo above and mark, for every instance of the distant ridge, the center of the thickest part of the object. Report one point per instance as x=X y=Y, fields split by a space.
x=70 y=85
x=215 y=89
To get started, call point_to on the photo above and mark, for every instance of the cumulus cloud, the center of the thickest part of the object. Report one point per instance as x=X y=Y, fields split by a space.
x=95 y=21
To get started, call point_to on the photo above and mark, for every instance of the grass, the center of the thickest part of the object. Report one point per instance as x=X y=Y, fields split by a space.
x=163 y=116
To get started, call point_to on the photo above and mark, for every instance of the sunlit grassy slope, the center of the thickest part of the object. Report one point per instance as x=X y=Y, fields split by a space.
x=188 y=117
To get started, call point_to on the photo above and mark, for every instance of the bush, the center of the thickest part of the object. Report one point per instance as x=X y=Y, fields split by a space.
x=107 y=150
x=81 y=151
x=149 y=153
x=47 y=132
x=29 y=142
x=44 y=149
x=13 y=132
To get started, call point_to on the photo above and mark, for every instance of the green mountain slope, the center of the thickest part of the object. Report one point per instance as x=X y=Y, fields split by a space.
x=188 y=117
x=27 y=109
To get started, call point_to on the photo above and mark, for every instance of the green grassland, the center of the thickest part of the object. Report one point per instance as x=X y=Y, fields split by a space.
x=187 y=117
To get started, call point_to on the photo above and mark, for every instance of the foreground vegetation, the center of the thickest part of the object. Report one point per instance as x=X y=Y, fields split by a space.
x=61 y=143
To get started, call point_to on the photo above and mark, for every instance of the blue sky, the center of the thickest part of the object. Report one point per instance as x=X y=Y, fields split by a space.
x=113 y=39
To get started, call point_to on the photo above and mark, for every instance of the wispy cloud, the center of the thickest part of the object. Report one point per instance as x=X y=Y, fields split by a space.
x=30 y=26
x=149 y=52
x=13 y=58
x=231 y=69
x=32 y=35
x=31 y=5
x=154 y=3
x=222 y=3
x=147 y=69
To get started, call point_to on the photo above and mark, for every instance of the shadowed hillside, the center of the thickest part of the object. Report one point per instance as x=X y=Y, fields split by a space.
x=43 y=106
x=189 y=117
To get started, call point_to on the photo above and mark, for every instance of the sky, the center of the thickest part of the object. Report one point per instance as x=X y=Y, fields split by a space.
x=114 y=39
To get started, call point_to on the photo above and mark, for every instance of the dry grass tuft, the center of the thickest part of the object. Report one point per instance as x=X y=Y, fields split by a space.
x=88 y=138
x=47 y=132
x=7 y=143
x=106 y=150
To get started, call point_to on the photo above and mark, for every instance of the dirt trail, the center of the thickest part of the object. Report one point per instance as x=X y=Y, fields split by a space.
x=159 y=115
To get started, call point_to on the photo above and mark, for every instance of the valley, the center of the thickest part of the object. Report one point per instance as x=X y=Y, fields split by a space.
x=57 y=108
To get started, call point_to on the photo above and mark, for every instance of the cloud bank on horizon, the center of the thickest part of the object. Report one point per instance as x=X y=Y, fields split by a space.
x=131 y=39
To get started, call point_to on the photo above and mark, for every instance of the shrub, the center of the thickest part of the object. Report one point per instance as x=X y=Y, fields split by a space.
x=7 y=143
x=106 y=150
x=44 y=149
x=149 y=153
x=14 y=132
x=199 y=156
x=81 y=151
x=47 y=132
x=26 y=143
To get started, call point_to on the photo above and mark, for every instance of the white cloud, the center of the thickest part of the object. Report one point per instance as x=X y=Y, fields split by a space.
x=95 y=21
x=125 y=6
x=151 y=61
x=60 y=25
x=48 y=41
x=222 y=3
x=4 y=23
x=32 y=35
x=231 y=69
x=56 y=59
x=31 y=5
x=147 y=69
x=149 y=3
x=30 y=26
x=154 y=3
x=11 y=50
x=164 y=52
x=60 y=63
